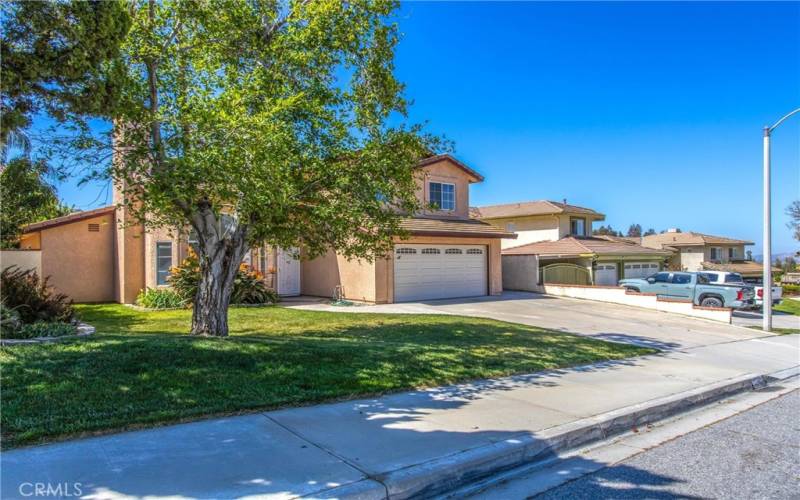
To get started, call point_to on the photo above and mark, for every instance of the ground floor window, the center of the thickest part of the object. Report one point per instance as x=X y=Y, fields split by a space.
x=163 y=261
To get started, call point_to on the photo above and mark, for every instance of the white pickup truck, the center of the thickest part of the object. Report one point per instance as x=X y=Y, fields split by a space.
x=736 y=278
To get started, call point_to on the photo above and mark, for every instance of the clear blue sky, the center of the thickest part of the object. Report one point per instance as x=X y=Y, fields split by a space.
x=648 y=112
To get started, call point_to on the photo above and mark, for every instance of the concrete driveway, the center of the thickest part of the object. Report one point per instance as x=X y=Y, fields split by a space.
x=754 y=318
x=615 y=322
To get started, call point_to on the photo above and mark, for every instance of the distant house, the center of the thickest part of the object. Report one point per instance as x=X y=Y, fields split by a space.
x=100 y=255
x=555 y=245
x=694 y=251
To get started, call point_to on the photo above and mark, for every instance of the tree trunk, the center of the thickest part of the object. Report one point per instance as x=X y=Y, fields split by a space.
x=219 y=257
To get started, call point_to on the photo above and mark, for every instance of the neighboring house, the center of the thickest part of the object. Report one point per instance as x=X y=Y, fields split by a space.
x=94 y=256
x=540 y=220
x=555 y=245
x=696 y=252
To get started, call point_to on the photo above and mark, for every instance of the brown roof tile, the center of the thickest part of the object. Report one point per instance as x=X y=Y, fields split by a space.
x=572 y=246
x=68 y=219
x=747 y=268
x=423 y=226
x=690 y=238
x=523 y=208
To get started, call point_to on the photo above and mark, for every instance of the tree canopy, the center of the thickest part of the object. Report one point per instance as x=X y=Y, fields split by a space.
x=793 y=211
x=263 y=121
x=27 y=198
x=57 y=58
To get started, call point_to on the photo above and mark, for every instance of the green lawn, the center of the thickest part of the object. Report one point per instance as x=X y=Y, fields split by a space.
x=790 y=306
x=140 y=369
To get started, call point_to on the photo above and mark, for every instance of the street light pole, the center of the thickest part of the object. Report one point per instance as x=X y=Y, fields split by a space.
x=766 y=320
x=767 y=243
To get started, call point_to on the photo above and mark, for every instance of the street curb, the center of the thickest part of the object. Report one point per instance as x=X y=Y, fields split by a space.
x=445 y=474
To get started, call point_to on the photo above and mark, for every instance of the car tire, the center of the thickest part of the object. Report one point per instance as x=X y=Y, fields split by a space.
x=711 y=302
x=631 y=289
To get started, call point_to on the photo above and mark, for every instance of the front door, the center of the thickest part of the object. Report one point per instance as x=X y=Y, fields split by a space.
x=288 y=272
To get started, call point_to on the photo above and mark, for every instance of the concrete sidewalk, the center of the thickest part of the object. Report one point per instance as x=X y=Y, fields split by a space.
x=362 y=447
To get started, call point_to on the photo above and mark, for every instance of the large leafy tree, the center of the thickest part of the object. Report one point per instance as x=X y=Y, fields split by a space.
x=264 y=121
x=27 y=197
x=57 y=59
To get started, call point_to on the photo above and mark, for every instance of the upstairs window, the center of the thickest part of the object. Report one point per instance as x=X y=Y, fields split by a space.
x=163 y=261
x=442 y=195
x=577 y=226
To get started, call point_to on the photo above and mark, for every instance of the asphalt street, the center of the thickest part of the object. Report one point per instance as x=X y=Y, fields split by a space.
x=753 y=455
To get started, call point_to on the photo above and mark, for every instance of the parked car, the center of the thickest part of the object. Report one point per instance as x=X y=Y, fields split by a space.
x=694 y=287
x=736 y=278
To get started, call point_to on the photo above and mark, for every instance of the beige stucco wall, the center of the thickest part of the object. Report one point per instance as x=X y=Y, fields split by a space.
x=81 y=263
x=529 y=229
x=520 y=272
x=23 y=259
x=322 y=275
x=374 y=281
x=533 y=228
x=444 y=171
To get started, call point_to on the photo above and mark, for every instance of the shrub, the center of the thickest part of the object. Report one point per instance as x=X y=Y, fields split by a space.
x=10 y=321
x=789 y=289
x=41 y=329
x=248 y=286
x=160 y=298
x=32 y=298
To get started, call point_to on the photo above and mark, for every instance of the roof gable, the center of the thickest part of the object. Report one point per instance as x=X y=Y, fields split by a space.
x=68 y=219
x=473 y=175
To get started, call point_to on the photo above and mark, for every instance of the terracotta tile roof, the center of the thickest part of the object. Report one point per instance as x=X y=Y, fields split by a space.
x=523 y=208
x=747 y=268
x=423 y=226
x=631 y=240
x=433 y=159
x=690 y=238
x=68 y=219
x=572 y=246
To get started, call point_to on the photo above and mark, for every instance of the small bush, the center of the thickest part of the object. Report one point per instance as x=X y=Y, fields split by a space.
x=32 y=298
x=160 y=298
x=41 y=329
x=10 y=321
x=789 y=289
x=248 y=286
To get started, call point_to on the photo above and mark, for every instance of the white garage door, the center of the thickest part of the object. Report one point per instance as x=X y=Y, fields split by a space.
x=423 y=272
x=640 y=269
x=605 y=274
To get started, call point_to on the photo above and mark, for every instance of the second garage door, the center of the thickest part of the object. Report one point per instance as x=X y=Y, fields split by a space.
x=640 y=269
x=423 y=272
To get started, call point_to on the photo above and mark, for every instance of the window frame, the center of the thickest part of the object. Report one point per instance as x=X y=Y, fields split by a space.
x=573 y=220
x=159 y=272
x=440 y=203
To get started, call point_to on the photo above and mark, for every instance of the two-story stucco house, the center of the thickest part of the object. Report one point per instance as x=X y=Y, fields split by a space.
x=696 y=252
x=555 y=245
x=92 y=257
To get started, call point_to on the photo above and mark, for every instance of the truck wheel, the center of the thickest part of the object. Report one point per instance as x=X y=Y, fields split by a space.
x=711 y=302
x=631 y=289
